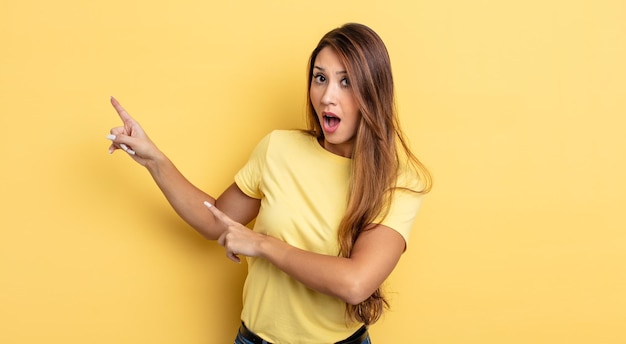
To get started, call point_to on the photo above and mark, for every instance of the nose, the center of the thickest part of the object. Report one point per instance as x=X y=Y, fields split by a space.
x=330 y=95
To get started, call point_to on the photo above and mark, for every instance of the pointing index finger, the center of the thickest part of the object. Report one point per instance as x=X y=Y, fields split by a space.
x=120 y=110
x=218 y=214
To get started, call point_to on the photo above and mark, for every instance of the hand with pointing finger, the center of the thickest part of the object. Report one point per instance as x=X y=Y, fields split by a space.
x=131 y=138
x=237 y=238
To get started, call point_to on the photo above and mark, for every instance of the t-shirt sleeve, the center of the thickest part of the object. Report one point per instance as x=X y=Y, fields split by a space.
x=249 y=177
x=402 y=212
x=404 y=205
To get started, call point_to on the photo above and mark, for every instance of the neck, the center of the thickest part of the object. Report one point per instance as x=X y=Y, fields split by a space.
x=342 y=149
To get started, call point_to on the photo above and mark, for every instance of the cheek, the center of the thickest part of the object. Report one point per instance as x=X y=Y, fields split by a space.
x=353 y=109
x=314 y=95
x=350 y=103
x=316 y=103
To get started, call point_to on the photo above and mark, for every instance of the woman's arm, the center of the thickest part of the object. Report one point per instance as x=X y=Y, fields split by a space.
x=374 y=256
x=184 y=197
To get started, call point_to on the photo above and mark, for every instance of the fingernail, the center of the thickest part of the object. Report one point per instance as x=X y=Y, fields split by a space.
x=207 y=204
x=111 y=137
x=126 y=149
x=111 y=150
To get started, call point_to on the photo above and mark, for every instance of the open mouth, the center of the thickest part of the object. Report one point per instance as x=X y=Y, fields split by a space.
x=331 y=122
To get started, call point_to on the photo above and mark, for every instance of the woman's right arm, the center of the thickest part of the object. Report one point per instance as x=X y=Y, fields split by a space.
x=186 y=199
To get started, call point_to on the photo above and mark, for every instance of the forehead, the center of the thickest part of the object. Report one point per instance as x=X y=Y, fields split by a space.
x=328 y=59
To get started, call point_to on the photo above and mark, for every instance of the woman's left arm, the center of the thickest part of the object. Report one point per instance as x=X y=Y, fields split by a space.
x=374 y=256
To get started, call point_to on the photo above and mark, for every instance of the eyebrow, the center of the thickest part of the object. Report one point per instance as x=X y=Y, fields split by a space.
x=323 y=70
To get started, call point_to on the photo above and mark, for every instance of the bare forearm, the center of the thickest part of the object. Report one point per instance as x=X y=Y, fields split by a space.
x=374 y=255
x=185 y=198
x=340 y=277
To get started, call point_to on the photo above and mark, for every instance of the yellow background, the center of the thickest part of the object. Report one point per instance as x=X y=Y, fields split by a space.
x=517 y=107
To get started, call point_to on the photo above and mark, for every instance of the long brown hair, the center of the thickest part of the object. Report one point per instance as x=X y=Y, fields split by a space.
x=376 y=161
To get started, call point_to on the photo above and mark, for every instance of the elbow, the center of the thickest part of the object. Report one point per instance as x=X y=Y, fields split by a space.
x=357 y=291
x=208 y=236
x=355 y=300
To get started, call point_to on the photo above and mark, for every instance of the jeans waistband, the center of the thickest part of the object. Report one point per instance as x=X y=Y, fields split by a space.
x=356 y=338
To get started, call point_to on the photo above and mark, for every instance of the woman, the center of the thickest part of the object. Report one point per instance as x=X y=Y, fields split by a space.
x=333 y=205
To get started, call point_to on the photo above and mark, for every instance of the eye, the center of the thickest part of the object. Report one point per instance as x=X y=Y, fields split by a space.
x=345 y=82
x=319 y=78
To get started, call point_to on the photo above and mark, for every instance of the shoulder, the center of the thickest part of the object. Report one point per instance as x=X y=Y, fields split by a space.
x=409 y=178
x=280 y=138
x=292 y=135
x=288 y=140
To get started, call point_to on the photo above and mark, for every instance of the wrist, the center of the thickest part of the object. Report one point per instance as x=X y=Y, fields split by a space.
x=271 y=248
x=156 y=163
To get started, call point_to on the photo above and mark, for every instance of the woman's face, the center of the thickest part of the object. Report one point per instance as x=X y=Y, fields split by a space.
x=333 y=100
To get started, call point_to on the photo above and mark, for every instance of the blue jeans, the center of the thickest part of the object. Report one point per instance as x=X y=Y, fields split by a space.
x=241 y=340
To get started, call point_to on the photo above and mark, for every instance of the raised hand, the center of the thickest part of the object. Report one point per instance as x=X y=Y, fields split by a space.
x=131 y=138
